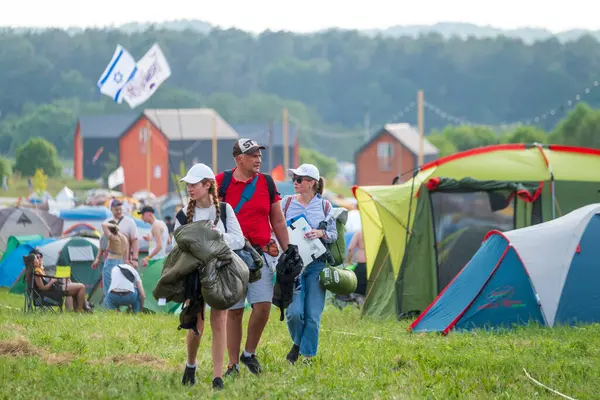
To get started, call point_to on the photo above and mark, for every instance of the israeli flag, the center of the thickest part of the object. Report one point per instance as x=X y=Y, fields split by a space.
x=120 y=70
x=152 y=70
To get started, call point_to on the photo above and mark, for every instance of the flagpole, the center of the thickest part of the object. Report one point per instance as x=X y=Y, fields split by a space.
x=286 y=152
x=148 y=162
x=214 y=142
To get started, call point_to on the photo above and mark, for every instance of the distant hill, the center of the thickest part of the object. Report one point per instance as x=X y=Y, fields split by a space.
x=464 y=30
x=446 y=29
x=132 y=27
x=176 y=25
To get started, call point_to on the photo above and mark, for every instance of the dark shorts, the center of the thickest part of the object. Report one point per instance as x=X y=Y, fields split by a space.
x=361 y=277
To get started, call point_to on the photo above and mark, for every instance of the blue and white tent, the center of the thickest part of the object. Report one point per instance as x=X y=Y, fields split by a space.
x=547 y=273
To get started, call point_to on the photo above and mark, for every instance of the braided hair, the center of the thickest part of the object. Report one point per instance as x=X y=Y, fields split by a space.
x=191 y=208
x=212 y=191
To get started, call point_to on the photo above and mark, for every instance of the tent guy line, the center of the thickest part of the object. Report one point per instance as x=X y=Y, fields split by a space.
x=355 y=334
x=546 y=387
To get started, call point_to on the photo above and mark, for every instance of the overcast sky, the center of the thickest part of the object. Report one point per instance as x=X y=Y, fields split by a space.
x=303 y=15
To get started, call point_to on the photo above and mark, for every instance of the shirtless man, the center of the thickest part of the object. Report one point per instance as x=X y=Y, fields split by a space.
x=158 y=237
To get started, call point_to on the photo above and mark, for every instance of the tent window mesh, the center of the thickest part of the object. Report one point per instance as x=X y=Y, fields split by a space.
x=80 y=253
x=536 y=212
x=461 y=221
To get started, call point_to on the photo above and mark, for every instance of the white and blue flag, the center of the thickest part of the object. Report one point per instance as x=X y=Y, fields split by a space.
x=120 y=70
x=152 y=70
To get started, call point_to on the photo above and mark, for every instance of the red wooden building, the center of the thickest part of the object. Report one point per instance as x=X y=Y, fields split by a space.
x=390 y=152
x=150 y=145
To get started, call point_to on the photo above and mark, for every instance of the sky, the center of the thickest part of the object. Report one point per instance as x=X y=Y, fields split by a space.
x=303 y=15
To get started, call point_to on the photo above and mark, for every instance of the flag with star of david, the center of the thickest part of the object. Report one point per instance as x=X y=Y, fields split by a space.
x=120 y=70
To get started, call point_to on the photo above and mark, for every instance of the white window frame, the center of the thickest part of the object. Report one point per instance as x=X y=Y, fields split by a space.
x=385 y=155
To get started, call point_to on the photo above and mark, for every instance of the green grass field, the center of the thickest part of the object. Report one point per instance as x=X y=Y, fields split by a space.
x=109 y=355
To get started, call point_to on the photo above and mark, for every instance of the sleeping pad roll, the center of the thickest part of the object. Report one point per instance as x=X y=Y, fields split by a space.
x=338 y=280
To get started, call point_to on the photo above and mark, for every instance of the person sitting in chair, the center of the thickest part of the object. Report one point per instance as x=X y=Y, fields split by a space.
x=55 y=286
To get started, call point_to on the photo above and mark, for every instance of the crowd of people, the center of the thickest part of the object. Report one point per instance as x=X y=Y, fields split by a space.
x=259 y=218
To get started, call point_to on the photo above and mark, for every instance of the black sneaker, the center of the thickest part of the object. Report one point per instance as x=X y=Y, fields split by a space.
x=307 y=361
x=189 y=376
x=293 y=355
x=232 y=371
x=252 y=363
x=218 y=384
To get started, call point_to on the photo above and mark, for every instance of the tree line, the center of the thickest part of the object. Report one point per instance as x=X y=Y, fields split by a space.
x=329 y=81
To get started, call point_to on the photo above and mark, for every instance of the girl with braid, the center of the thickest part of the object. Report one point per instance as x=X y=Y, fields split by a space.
x=204 y=205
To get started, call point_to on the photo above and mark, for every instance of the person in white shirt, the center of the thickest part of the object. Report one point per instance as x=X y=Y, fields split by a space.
x=158 y=237
x=204 y=205
x=125 y=289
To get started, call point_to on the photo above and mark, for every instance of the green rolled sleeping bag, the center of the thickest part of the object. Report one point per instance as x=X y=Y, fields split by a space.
x=338 y=280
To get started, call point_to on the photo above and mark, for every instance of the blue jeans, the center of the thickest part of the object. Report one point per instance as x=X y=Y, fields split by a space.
x=109 y=263
x=113 y=301
x=304 y=313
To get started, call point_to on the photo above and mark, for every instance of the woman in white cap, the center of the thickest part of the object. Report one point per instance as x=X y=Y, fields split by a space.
x=204 y=205
x=304 y=313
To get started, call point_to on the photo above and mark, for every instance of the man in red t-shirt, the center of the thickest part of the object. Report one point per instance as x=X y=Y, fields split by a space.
x=260 y=217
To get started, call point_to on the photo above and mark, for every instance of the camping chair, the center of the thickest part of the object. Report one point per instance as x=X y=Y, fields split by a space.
x=41 y=300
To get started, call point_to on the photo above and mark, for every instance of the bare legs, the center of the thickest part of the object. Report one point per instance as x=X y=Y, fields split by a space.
x=218 y=323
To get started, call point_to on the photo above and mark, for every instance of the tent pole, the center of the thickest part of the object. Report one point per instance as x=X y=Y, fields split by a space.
x=553 y=195
x=401 y=271
x=412 y=190
x=552 y=187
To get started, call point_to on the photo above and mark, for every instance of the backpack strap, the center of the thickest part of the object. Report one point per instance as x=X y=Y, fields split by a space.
x=288 y=201
x=271 y=187
x=247 y=194
x=225 y=184
x=223 y=207
x=181 y=217
x=127 y=274
x=326 y=207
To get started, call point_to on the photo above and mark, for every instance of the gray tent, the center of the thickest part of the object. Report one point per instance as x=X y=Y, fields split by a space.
x=24 y=221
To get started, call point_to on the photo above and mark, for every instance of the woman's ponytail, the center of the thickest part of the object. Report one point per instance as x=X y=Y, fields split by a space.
x=320 y=186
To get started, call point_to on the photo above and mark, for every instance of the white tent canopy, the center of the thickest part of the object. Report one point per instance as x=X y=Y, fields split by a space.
x=547 y=250
x=65 y=195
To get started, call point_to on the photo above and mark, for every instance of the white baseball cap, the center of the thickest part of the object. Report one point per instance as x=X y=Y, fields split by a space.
x=308 y=170
x=197 y=173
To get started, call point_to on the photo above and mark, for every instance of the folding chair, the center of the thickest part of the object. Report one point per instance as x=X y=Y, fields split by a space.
x=41 y=300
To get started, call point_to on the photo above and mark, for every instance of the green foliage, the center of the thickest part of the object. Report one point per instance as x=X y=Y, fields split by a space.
x=444 y=145
x=5 y=169
x=37 y=153
x=6 y=140
x=526 y=134
x=52 y=122
x=580 y=128
x=327 y=166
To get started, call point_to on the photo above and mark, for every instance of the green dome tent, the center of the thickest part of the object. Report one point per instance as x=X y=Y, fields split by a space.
x=15 y=241
x=505 y=186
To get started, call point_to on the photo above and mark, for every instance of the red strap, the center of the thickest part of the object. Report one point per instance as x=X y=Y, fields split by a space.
x=326 y=205
x=287 y=205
